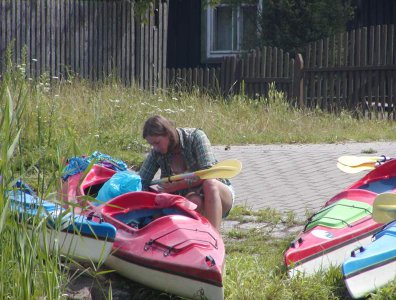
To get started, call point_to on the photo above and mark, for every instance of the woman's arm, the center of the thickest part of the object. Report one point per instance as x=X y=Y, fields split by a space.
x=148 y=170
x=203 y=150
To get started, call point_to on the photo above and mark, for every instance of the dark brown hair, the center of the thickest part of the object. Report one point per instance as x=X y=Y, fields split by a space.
x=159 y=126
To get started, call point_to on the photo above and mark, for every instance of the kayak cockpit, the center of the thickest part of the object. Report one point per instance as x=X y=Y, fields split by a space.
x=138 y=209
x=140 y=218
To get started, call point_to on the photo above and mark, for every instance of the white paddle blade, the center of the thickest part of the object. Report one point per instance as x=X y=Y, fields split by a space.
x=354 y=170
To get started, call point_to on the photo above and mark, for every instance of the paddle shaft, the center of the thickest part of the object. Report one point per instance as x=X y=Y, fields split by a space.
x=354 y=161
x=175 y=178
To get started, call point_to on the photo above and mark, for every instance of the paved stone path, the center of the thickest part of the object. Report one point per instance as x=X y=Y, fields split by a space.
x=294 y=177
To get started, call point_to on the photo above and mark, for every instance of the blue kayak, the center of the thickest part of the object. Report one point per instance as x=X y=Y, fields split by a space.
x=80 y=237
x=372 y=266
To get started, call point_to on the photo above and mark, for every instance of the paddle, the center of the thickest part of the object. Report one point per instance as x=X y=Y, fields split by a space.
x=357 y=169
x=384 y=208
x=353 y=161
x=224 y=169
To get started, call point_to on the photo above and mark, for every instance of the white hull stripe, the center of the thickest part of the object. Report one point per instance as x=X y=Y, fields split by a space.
x=171 y=283
x=336 y=247
x=334 y=258
x=366 y=282
x=135 y=260
x=84 y=248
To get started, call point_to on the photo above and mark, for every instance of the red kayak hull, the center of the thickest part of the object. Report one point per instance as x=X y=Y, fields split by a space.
x=177 y=242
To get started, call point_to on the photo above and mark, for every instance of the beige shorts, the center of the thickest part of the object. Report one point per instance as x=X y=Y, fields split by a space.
x=231 y=188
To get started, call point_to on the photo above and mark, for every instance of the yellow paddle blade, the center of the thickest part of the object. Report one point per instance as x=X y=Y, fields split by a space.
x=353 y=161
x=357 y=169
x=384 y=208
x=224 y=169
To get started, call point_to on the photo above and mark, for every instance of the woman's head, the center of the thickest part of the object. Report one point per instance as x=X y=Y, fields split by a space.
x=160 y=133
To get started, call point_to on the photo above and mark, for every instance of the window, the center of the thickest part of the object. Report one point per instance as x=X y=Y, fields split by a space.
x=228 y=29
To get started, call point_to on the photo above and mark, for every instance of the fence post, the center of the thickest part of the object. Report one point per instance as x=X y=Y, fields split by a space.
x=238 y=74
x=298 y=80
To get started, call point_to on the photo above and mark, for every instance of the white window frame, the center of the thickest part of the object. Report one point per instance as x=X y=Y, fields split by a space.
x=209 y=41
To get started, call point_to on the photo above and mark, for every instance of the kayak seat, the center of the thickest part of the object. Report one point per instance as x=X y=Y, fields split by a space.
x=140 y=218
x=340 y=214
x=380 y=186
x=93 y=190
x=388 y=229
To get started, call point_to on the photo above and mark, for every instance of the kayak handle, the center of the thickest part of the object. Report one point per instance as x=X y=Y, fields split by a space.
x=357 y=250
x=296 y=242
x=92 y=215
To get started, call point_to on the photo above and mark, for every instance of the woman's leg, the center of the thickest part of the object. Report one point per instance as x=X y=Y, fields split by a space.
x=217 y=201
x=195 y=198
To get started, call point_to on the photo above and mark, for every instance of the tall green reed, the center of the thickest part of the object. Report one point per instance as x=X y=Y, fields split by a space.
x=31 y=271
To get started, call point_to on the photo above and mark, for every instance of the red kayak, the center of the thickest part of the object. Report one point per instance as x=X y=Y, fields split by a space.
x=161 y=241
x=344 y=223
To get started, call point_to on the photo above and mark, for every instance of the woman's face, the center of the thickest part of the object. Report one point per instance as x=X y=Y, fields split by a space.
x=160 y=143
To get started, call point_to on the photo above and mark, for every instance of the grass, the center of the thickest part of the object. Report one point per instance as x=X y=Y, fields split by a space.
x=79 y=117
x=46 y=121
x=255 y=268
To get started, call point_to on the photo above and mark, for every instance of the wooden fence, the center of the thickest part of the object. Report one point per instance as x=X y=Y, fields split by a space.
x=93 y=39
x=250 y=74
x=204 y=79
x=353 y=70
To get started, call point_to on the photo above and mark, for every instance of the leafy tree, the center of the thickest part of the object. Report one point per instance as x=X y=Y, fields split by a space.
x=141 y=6
x=290 y=24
